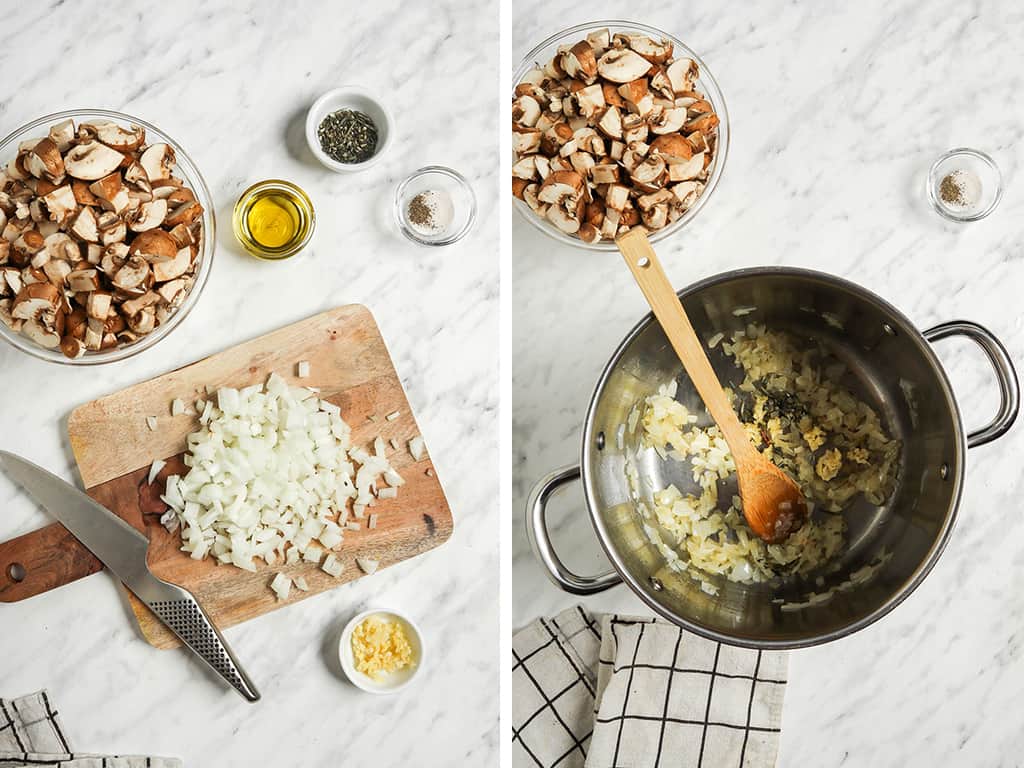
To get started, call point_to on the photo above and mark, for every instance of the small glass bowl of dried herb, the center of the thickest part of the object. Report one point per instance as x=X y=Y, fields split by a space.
x=964 y=185
x=435 y=206
x=348 y=129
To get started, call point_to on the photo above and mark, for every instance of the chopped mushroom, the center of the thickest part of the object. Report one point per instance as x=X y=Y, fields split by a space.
x=627 y=118
x=100 y=240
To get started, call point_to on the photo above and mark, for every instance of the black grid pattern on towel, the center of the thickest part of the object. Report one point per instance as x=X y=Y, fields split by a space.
x=557 y=650
x=675 y=676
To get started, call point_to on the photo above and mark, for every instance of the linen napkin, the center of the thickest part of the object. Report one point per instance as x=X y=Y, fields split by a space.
x=31 y=734
x=625 y=692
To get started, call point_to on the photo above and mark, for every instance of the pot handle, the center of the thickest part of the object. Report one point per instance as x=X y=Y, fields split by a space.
x=537 y=531
x=1006 y=376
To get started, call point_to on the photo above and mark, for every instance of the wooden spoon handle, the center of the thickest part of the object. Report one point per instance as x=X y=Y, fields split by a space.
x=636 y=249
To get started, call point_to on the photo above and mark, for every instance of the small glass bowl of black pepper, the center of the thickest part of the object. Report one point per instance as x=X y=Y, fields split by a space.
x=964 y=185
x=348 y=129
x=435 y=206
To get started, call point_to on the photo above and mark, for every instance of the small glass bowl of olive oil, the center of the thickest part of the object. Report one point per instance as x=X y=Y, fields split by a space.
x=274 y=219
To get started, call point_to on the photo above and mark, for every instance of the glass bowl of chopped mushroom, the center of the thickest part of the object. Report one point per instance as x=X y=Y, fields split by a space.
x=108 y=236
x=615 y=125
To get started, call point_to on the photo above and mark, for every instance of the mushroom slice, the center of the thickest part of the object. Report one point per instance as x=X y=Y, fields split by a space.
x=616 y=197
x=136 y=305
x=582 y=162
x=650 y=174
x=12 y=277
x=112 y=228
x=5 y=252
x=94 y=253
x=158 y=162
x=604 y=173
x=662 y=196
x=171 y=291
x=26 y=245
x=147 y=216
x=610 y=225
x=705 y=123
x=681 y=74
x=154 y=245
x=132 y=273
x=33 y=300
x=560 y=185
x=182 y=235
x=116 y=136
x=525 y=141
x=111 y=192
x=98 y=304
x=94 y=334
x=85 y=227
x=44 y=161
x=530 y=197
x=71 y=347
x=185 y=213
x=579 y=62
x=669 y=121
x=7 y=318
x=63 y=134
x=654 y=51
x=687 y=192
x=611 y=123
x=57 y=271
x=673 y=147
x=60 y=246
x=176 y=267
x=91 y=161
x=562 y=219
x=656 y=217
x=84 y=281
x=526 y=111
x=622 y=65
x=599 y=41
x=37 y=331
x=61 y=203
x=525 y=168
x=143 y=322
x=690 y=169
x=135 y=175
x=634 y=128
x=83 y=195
x=590 y=100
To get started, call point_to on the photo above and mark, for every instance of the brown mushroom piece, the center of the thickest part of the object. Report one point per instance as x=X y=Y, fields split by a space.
x=158 y=162
x=185 y=213
x=154 y=245
x=136 y=305
x=176 y=267
x=37 y=331
x=63 y=134
x=84 y=281
x=111 y=227
x=61 y=203
x=33 y=300
x=116 y=136
x=681 y=73
x=98 y=304
x=132 y=273
x=669 y=121
x=143 y=322
x=111 y=193
x=650 y=174
x=622 y=65
x=44 y=161
x=57 y=271
x=91 y=161
x=85 y=226
x=147 y=216
x=580 y=62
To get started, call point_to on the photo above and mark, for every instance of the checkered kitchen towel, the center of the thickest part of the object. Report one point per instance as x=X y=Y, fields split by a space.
x=623 y=692
x=31 y=734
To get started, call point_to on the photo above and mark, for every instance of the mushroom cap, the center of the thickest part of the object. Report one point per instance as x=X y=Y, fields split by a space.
x=44 y=160
x=157 y=161
x=32 y=300
x=154 y=245
x=116 y=136
x=559 y=185
x=673 y=146
x=147 y=216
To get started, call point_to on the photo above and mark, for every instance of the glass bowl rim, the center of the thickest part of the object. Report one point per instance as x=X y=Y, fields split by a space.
x=712 y=92
x=195 y=179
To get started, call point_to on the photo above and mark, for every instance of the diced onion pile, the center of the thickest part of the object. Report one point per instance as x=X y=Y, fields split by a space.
x=272 y=472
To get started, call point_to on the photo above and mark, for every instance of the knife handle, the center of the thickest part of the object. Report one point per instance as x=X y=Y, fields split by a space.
x=186 y=618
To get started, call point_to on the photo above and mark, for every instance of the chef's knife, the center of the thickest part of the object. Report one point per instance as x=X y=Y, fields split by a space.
x=123 y=550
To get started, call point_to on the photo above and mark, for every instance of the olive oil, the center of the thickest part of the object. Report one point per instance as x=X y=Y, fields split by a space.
x=274 y=219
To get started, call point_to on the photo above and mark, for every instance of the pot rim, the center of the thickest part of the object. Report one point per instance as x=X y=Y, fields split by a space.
x=904 y=325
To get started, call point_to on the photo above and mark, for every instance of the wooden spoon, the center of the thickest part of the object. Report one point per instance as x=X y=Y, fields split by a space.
x=772 y=502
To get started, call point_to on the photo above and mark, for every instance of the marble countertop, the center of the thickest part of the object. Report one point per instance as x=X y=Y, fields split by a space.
x=837 y=111
x=232 y=87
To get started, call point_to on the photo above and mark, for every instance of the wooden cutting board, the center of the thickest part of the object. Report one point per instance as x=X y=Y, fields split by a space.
x=114 y=449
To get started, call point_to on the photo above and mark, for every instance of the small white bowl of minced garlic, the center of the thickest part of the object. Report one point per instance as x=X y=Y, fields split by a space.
x=381 y=651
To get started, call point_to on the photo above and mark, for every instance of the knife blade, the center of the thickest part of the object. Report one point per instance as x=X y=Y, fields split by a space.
x=123 y=550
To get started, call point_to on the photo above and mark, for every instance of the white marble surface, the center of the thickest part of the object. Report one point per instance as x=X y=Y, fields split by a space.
x=837 y=110
x=232 y=87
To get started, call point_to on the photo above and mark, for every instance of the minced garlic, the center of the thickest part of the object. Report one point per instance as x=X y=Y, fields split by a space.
x=380 y=647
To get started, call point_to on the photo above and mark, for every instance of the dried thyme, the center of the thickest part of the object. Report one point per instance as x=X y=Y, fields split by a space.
x=348 y=136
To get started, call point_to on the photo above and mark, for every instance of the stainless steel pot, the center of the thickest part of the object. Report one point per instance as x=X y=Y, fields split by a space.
x=892 y=367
